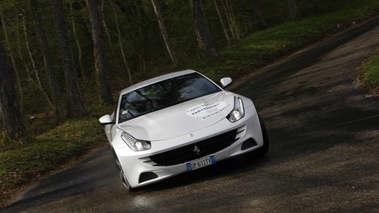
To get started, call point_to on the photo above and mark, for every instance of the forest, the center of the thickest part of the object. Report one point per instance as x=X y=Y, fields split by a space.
x=60 y=58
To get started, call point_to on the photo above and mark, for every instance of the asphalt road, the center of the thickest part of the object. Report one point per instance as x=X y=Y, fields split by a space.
x=324 y=135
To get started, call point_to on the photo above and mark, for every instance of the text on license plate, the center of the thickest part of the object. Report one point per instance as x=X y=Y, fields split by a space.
x=200 y=163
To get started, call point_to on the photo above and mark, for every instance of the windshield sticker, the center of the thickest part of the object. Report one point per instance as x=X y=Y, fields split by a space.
x=207 y=110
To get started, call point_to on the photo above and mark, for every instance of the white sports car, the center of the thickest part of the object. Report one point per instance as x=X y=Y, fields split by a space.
x=178 y=123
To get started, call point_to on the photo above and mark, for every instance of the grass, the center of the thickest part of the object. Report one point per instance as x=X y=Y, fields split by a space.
x=267 y=45
x=48 y=152
x=56 y=147
x=368 y=74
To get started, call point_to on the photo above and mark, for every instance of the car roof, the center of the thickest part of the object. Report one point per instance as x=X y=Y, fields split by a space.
x=156 y=79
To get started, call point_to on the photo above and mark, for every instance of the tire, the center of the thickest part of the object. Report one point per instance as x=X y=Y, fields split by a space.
x=121 y=174
x=262 y=151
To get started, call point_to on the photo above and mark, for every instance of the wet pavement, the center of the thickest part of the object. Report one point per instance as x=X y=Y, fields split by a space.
x=324 y=145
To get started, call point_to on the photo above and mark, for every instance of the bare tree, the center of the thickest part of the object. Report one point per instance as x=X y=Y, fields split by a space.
x=221 y=21
x=10 y=50
x=20 y=48
x=231 y=19
x=76 y=107
x=137 y=20
x=164 y=33
x=120 y=44
x=79 y=48
x=46 y=55
x=11 y=121
x=99 y=53
x=203 y=34
x=106 y=27
x=34 y=66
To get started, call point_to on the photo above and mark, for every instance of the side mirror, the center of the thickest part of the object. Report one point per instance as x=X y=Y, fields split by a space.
x=106 y=119
x=226 y=82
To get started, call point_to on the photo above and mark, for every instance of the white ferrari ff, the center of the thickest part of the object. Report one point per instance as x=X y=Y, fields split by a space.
x=178 y=123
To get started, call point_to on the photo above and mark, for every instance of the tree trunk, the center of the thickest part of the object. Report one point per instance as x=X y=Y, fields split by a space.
x=21 y=60
x=137 y=19
x=231 y=19
x=293 y=8
x=17 y=72
x=99 y=53
x=222 y=22
x=204 y=38
x=120 y=44
x=34 y=67
x=164 y=33
x=106 y=27
x=48 y=62
x=76 y=107
x=81 y=69
x=11 y=120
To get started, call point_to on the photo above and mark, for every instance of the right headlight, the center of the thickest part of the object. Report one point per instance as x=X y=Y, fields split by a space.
x=135 y=144
x=238 y=111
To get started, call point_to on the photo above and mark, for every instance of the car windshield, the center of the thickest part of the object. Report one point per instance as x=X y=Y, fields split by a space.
x=164 y=94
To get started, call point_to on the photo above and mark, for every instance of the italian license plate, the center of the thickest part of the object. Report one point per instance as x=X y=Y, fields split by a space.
x=200 y=163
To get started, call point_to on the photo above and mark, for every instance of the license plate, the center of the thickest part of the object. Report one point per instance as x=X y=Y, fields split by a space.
x=200 y=163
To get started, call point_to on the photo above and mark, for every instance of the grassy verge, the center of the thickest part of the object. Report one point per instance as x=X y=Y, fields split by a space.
x=264 y=46
x=49 y=151
x=368 y=74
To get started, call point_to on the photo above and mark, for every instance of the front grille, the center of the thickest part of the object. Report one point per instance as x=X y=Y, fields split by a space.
x=187 y=153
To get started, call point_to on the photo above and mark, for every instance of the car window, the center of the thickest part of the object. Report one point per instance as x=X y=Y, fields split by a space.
x=164 y=94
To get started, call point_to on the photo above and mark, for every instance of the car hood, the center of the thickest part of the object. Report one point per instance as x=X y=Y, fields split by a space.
x=182 y=118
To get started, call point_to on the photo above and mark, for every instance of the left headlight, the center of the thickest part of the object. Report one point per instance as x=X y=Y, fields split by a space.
x=238 y=111
x=135 y=144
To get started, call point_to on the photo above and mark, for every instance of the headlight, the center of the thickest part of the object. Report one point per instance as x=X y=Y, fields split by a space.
x=238 y=111
x=134 y=144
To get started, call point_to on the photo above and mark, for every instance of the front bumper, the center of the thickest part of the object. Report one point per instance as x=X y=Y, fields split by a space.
x=143 y=168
